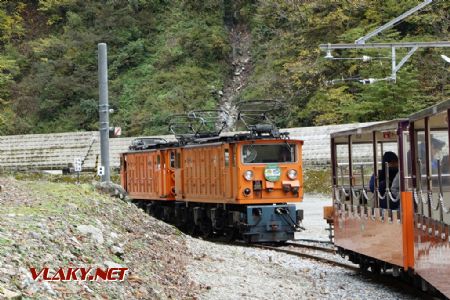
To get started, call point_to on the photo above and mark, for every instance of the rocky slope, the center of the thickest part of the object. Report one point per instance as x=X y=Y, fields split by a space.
x=55 y=225
x=241 y=60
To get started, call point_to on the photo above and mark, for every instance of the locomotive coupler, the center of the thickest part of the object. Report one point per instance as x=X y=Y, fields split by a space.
x=297 y=224
x=299 y=219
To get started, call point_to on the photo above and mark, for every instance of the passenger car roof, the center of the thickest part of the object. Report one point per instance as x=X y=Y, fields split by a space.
x=386 y=131
x=442 y=106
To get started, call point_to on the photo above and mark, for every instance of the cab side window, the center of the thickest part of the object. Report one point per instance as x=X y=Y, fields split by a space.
x=227 y=157
x=172 y=159
x=177 y=162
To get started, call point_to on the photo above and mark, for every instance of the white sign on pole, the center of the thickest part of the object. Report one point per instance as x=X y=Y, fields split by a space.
x=117 y=131
x=100 y=170
x=77 y=164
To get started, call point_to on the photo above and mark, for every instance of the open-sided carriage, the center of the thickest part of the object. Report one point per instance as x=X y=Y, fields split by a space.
x=406 y=233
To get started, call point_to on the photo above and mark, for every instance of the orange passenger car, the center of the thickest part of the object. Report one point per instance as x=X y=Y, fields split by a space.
x=400 y=223
x=429 y=183
x=244 y=184
x=364 y=230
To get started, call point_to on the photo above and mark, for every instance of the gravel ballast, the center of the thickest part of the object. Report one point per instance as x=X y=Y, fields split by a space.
x=236 y=272
x=57 y=225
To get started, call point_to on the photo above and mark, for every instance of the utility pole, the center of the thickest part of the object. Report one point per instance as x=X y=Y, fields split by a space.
x=103 y=111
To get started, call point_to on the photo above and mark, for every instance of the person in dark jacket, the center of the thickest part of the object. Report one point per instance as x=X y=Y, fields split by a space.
x=391 y=159
x=435 y=149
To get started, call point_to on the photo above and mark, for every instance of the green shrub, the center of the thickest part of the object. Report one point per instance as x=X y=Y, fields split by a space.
x=317 y=181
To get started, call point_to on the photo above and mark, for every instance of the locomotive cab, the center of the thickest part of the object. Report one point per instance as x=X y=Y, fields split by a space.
x=246 y=183
x=269 y=171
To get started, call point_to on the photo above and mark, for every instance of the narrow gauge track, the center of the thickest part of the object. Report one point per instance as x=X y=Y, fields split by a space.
x=384 y=279
x=380 y=278
x=312 y=247
x=308 y=255
x=315 y=241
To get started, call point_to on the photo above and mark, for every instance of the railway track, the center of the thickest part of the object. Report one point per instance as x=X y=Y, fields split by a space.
x=282 y=249
x=384 y=279
x=300 y=248
x=312 y=247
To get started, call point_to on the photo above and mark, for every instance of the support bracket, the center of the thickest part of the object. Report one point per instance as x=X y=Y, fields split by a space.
x=413 y=46
x=391 y=23
x=396 y=68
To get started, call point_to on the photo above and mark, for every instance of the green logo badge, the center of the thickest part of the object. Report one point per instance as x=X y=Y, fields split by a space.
x=272 y=172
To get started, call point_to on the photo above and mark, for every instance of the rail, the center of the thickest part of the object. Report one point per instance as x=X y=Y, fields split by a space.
x=386 y=280
x=303 y=254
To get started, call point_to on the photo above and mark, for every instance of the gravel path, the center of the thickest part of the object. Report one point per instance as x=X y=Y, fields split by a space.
x=313 y=216
x=234 y=272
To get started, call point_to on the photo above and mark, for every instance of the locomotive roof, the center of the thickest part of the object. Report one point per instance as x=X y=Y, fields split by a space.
x=225 y=138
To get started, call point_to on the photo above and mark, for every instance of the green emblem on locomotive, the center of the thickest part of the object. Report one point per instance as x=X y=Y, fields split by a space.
x=272 y=172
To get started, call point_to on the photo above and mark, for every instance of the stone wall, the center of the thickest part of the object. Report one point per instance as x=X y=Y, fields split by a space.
x=58 y=150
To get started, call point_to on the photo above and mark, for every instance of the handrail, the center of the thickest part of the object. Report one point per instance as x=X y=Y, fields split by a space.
x=337 y=195
x=391 y=197
x=416 y=198
x=367 y=196
x=358 y=198
x=419 y=196
x=344 y=192
x=386 y=191
x=358 y=194
x=442 y=204
x=439 y=204
x=434 y=206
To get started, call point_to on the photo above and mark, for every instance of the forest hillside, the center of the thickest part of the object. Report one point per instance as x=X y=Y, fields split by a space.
x=167 y=57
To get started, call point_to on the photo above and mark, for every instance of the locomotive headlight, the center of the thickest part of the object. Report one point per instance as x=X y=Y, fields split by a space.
x=248 y=175
x=292 y=174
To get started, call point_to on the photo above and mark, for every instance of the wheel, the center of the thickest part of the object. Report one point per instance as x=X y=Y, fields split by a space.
x=375 y=269
x=206 y=229
x=192 y=229
x=148 y=209
x=229 y=234
x=363 y=267
x=159 y=212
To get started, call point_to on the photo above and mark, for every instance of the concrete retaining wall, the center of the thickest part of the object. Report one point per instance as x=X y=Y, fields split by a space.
x=57 y=150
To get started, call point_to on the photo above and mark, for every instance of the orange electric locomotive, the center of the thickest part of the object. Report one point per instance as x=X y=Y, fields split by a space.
x=391 y=197
x=208 y=183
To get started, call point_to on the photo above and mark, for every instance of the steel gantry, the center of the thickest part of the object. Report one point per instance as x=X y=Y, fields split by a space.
x=395 y=67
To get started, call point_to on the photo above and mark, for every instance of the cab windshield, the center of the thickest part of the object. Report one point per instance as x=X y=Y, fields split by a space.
x=273 y=153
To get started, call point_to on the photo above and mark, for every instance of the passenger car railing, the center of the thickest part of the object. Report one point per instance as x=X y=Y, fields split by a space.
x=439 y=204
